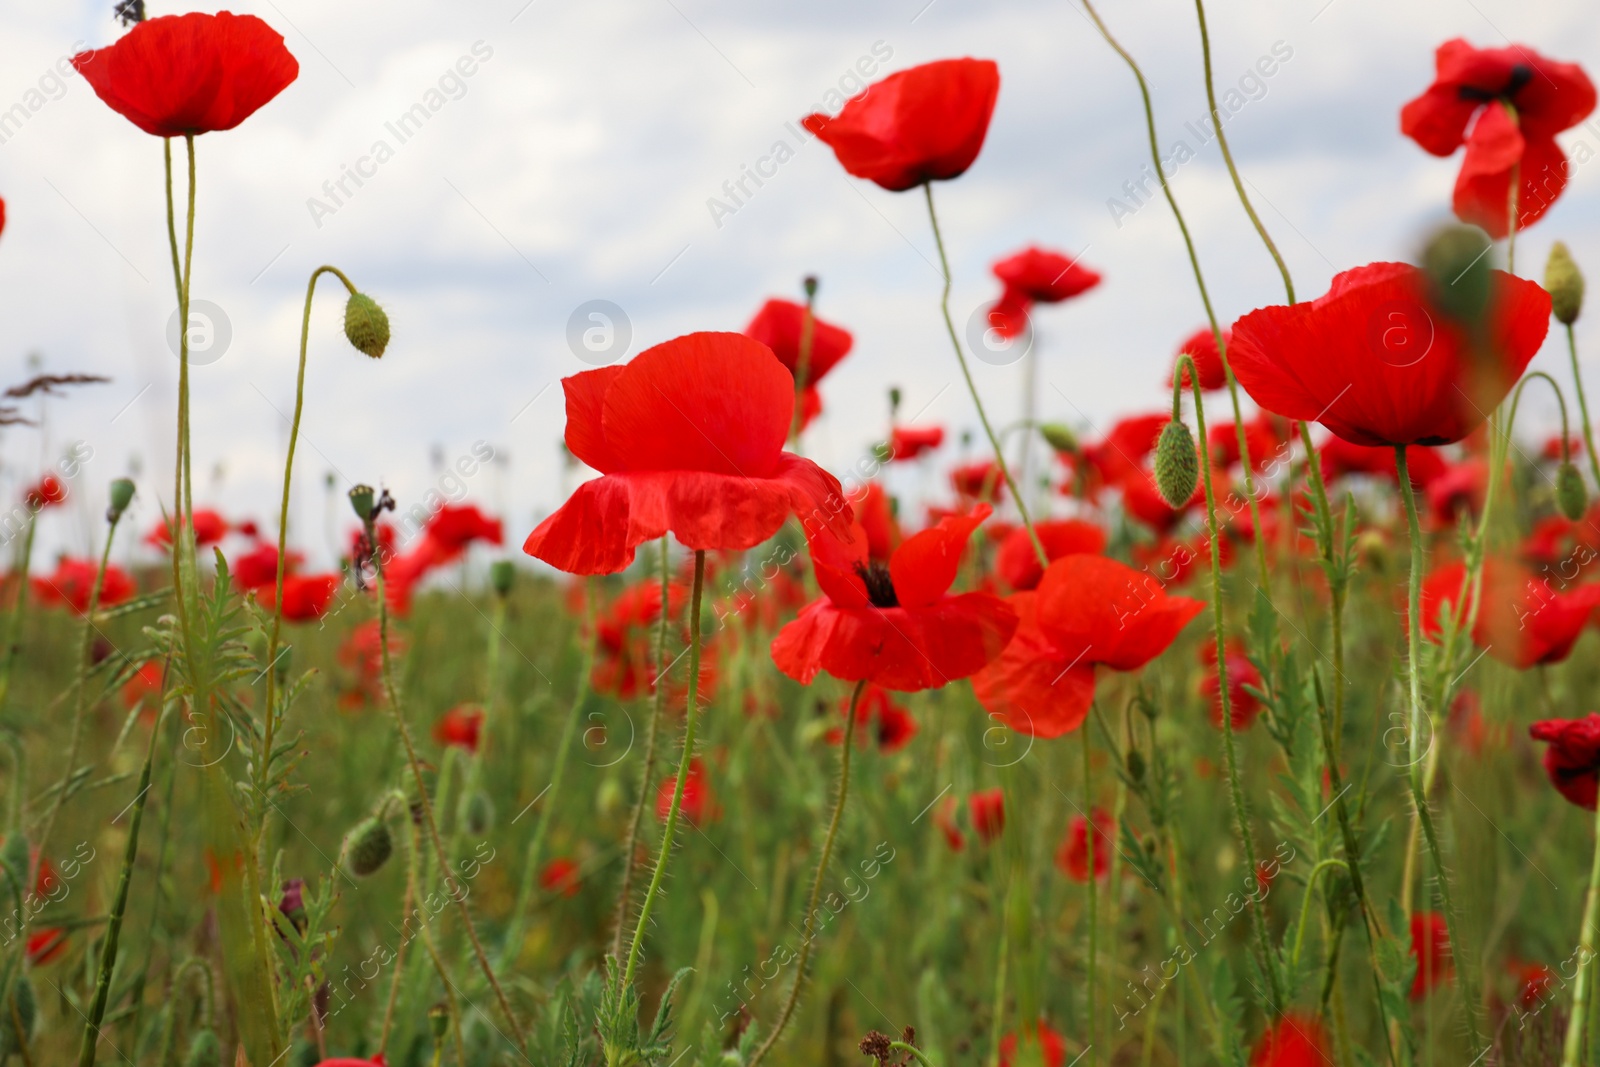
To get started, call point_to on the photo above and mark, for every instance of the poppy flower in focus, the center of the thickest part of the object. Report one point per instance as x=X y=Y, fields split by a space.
x=1073 y=856
x=1573 y=759
x=688 y=438
x=909 y=442
x=1430 y=946
x=1375 y=361
x=780 y=325
x=696 y=805
x=1340 y=458
x=560 y=875
x=891 y=725
x=209 y=529
x=1201 y=346
x=1522 y=621
x=895 y=624
x=306 y=598
x=1295 y=1040
x=987 y=809
x=461 y=726
x=190 y=74
x=1051 y=1046
x=72 y=584
x=920 y=125
x=1242 y=676
x=1019 y=564
x=1520 y=101
x=47 y=494
x=1088 y=611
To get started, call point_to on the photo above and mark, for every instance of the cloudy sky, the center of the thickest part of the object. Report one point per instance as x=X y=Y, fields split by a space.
x=579 y=162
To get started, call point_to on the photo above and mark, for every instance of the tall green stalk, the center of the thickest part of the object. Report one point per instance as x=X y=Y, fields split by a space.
x=1583 y=406
x=1572 y=1046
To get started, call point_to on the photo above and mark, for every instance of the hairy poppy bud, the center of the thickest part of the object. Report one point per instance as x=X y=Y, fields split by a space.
x=1059 y=436
x=1564 y=282
x=204 y=1050
x=366 y=325
x=121 y=497
x=1135 y=765
x=1457 y=261
x=477 y=812
x=369 y=846
x=361 y=500
x=16 y=855
x=439 y=1021
x=21 y=1001
x=501 y=575
x=1177 y=464
x=1572 y=497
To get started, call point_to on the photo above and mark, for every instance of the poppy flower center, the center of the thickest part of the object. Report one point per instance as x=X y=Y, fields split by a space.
x=880 y=587
x=1521 y=75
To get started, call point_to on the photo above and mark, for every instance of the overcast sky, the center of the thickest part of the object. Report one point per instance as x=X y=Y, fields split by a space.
x=577 y=162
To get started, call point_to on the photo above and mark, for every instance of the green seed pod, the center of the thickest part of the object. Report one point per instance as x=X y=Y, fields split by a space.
x=1059 y=436
x=366 y=325
x=27 y=1011
x=1177 y=464
x=477 y=812
x=1572 y=497
x=502 y=573
x=1564 y=282
x=121 y=497
x=362 y=498
x=204 y=1050
x=369 y=846
x=1457 y=262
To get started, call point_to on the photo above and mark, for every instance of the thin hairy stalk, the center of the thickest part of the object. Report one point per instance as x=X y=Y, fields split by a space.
x=808 y=932
x=400 y=953
x=1511 y=211
x=1093 y=889
x=1305 y=905
x=19 y=605
x=169 y=1027
x=1327 y=535
x=647 y=775
x=452 y=888
x=174 y=521
x=972 y=387
x=1578 y=1024
x=1583 y=406
x=690 y=715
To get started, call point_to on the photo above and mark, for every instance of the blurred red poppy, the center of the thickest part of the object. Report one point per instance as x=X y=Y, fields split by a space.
x=1339 y=458
x=688 y=438
x=1459 y=489
x=190 y=74
x=209 y=528
x=47 y=494
x=1036 y=276
x=909 y=442
x=1295 y=1040
x=1573 y=759
x=895 y=624
x=1376 y=363
x=1522 y=621
x=259 y=566
x=1430 y=946
x=1242 y=676
x=1521 y=100
x=306 y=598
x=780 y=325
x=1533 y=983
x=560 y=875
x=1018 y=562
x=624 y=638
x=1051 y=1046
x=944 y=817
x=453 y=527
x=696 y=805
x=889 y=724
x=461 y=726
x=144 y=687
x=919 y=125
x=987 y=809
x=72 y=584
x=1072 y=858
x=1261 y=438
x=979 y=480
x=1201 y=346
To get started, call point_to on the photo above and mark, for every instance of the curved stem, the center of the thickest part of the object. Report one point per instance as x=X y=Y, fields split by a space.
x=910 y=1050
x=1305 y=905
x=972 y=388
x=808 y=934
x=1583 y=406
x=1579 y=1021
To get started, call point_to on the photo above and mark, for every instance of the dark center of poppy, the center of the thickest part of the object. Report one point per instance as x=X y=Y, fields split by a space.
x=880 y=587
x=1521 y=75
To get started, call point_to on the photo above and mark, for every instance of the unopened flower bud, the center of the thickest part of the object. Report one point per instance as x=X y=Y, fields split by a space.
x=1135 y=765
x=1564 y=282
x=361 y=500
x=369 y=846
x=204 y=1050
x=26 y=1007
x=810 y=284
x=1373 y=549
x=17 y=857
x=366 y=325
x=477 y=812
x=1059 y=436
x=1572 y=497
x=502 y=573
x=1457 y=261
x=1177 y=464
x=439 y=1021
x=895 y=396
x=121 y=497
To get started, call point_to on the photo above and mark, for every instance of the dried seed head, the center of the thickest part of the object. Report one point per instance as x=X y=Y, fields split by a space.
x=1564 y=282
x=1177 y=464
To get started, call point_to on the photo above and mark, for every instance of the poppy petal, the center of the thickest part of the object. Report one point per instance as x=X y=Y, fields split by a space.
x=924 y=567
x=1030 y=687
x=586 y=436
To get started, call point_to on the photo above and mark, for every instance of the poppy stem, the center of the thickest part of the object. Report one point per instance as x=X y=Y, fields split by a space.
x=1511 y=211
x=808 y=934
x=910 y=1050
x=1577 y=1026
x=1583 y=406
x=1093 y=886
x=676 y=807
x=972 y=388
x=802 y=370
x=14 y=618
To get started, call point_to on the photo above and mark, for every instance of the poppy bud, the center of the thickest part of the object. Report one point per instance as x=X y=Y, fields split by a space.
x=1135 y=765
x=1564 y=282
x=121 y=497
x=477 y=812
x=810 y=284
x=501 y=574
x=1572 y=497
x=1059 y=436
x=22 y=1002
x=1373 y=549
x=16 y=855
x=894 y=400
x=1177 y=464
x=439 y=1021
x=366 y=325
x=1457 y=263
x=369 y=846
x=361 y=498
x=204 y=1050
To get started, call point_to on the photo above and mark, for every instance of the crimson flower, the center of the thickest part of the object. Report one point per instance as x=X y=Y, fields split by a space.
x=1201 y=346
x=1430 y=946
x=1573 y=759
x=1295 y=1040
x=780 y=325
x=72 y=584
x=1339 y=458
x=1261 y=437
x=1036 y=276
x=979 y=480
x=259 y=566
x=1533 y=983
x=50 y=491
x=891 y=725
x=944 y=817
x=895 y=624
x=1051 y=1045
x=1460 y=488
x=190 y=74
x=919 y=125
x=875 y=514
x=688 y=438
x=1126 y=445
x=209 y=528
x=1242 y=677
x=1376 y=363
x=623 y=638
x=144 y=687
x=909 y=442
x=1018 y=562
x=454 y=527
x=987 y=809
x=1088 y=611
x=560 y=875
x=1520 y=100
x=697 y=805
x=46 y=945
x=1073 y=856
x=306 y=598
x=1522 y=621
x=461 y=726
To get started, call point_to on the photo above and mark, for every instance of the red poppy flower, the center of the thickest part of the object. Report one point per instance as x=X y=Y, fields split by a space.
x=48 y=493
x=1459 y=489
x=1241 y=674
x=1087 y=611
x=624 y=638
x=1044 y=277
x=1521 y=100
x=144 y=687
x=1430 y=946
x=895 y=624
x=1051 y=1046
x=454 y=527
x=1573 y=759
x=1018 y=562
x=46 y=945
x=461 y=726
x=1340 y=458
x=560 y=875
x=1523 y=621
x=1377 y=364
x=919 y=125
x=1533 y=983
x=1295 y=1040
x=209 y=528
x=1073 y=856
x=1126 y=446
x=890 y=725
x=688 y=438
x=909 y=442
x=987 y=810
x=979 y=480
x=696 y=805
x=190 y=74
x=1142 y=499
x=875 y=515
x=1261 y=438
x=780 y=325
x=1201 y=346
x=72 y=584
x=1009 y=316
x=944 y=817
x=259 y=566
x=306 y=598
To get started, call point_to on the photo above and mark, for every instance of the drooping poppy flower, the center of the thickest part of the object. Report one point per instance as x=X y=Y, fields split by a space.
x=72 y=584
x=209 y=529
x=1242 y=677
x=1295 y=1040
x=1573 y=759
x=1088 y=611
x=1072 y=858
x=49 y=492
x=1201 y=346
x=909 y=442
x=919 y=125
x=1430 y=946
x=696 y=805
x=1520 y=100
x=306 y=598
x=1051 y=1045
x=979 y=480
x=688 y=438
x=1019 y=564
x=889 y=724
x=560 y=875
x=190 y=74
x=1377 y=364
x=461 y=726
x=1339 y=458
x=780 y=325
x=1522 y=621
x=987 y=810
x=895 y=624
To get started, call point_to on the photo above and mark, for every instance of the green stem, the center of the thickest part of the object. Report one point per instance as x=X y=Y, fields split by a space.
x=1583 y=406
x=802 y=370
x=972 y=388
x=910 y=1050
x=1576 y=1026
x=14 y=619
x=1093 y=887
x=1305 y=905
x=808 y=934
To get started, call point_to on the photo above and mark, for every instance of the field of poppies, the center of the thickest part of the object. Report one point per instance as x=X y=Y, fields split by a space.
x=1255 y=729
